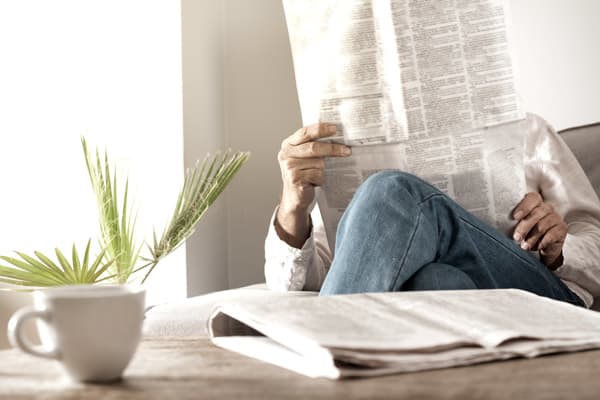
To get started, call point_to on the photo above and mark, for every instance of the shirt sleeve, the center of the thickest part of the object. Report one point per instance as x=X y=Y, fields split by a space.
x=552 y=170
x=288 y=268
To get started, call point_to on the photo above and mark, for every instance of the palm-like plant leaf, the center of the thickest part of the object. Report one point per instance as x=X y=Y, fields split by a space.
x=117 y=261
x=201 y=188
x=116 y=224
x=41 y=272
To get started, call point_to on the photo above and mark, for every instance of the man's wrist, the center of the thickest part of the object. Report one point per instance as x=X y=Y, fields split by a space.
x=554 y=264
x=293 y=226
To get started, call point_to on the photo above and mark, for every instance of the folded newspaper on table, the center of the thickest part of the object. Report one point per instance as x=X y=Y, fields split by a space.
x=429 y=86
x=372 y=334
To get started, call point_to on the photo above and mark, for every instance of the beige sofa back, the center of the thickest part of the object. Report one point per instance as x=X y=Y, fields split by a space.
x=584 y=141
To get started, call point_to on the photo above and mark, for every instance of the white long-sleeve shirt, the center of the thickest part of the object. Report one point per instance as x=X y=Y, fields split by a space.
x=550 y=169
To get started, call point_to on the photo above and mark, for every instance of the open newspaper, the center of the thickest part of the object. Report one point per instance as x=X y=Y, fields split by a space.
x=373 y=334
x=427 y=87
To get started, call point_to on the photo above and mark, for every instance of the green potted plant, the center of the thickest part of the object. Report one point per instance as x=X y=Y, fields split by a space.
x=121 y=258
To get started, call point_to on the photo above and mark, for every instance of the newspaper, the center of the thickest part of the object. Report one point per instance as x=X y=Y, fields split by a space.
x=427 y=87
x=371 y=334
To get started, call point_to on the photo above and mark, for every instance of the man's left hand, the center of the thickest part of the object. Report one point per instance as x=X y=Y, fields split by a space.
x=540 y=228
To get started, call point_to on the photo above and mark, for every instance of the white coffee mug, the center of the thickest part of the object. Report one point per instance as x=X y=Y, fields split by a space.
x=92 y=330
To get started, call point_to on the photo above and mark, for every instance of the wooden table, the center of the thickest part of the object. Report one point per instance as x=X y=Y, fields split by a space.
x=175 y=368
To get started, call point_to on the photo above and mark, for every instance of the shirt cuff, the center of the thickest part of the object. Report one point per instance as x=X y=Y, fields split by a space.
x=285 y=248
x=286 y=266
x=569 y=273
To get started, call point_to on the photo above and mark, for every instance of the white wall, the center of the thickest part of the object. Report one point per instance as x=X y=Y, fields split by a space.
x=239 y=92
x=557 y=60
x=261 y=109
x=203 y=121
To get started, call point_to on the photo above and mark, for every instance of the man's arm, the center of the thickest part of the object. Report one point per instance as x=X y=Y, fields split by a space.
x=553 y=171
x=296 y=252
x=302 y=161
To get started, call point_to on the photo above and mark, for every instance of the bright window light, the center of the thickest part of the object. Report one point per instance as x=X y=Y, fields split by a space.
x=109 y=70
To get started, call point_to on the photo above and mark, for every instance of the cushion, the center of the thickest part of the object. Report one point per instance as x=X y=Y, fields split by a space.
x=188 y=317
x=584 y=141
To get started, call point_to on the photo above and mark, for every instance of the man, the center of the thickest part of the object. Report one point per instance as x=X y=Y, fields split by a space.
x=400 y=233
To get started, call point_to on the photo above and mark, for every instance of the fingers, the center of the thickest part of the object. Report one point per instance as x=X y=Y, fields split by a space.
x=303 y=143
x=551 y=246
x=528 y=204
x=316 y=150
x=299 y=172
x=300 y=177
x=303 y=163
x=311 y=133
x=539 y=227
x=542 y=228
x=552 y=242
x=529 y=221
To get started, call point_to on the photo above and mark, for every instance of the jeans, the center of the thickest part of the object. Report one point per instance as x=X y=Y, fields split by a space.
x=400 y=233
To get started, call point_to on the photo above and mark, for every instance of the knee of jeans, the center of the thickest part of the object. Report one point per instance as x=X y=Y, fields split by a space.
x=393 y=181
x=439 y=277
x=385 y=179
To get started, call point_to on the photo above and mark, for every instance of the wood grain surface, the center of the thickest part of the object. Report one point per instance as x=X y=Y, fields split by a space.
x=176 y=368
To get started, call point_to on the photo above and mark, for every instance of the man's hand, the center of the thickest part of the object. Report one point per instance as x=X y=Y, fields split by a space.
x=301 y=160
x=540 y=228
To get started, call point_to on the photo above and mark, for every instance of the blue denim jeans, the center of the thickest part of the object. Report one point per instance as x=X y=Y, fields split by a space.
x=401 y=233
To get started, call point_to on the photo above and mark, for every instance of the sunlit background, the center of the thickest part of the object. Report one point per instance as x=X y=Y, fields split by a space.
x=106 y=70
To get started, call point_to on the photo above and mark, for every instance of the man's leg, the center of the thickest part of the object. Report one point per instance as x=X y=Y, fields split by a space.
x=400 y=233
x=436 y=276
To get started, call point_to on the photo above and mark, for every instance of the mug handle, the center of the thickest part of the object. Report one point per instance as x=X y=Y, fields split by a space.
x=15 y=334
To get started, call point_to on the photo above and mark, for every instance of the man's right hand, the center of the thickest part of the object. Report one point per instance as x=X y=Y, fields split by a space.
x=301 y=160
